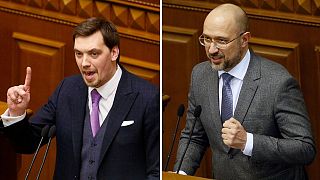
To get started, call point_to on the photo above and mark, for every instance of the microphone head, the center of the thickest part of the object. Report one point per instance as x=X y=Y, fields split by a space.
x=44 y=131
x=197 y=111
x=180 y=110
x=52 y=131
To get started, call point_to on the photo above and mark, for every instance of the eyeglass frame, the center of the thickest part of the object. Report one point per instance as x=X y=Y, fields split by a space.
x=216 y=44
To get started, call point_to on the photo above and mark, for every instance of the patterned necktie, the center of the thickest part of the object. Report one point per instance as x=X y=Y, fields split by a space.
x=94 y=116
x=227 y=102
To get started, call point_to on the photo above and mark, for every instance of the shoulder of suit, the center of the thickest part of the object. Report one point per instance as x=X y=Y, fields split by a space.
x=273 y=71
x=272 y=66
x=73 y=81
x=202 y=69
x=205 y=65
x=73 y=78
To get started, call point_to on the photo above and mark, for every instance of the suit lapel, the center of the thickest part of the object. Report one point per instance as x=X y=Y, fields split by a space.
x=213 y=94
x=249 y=88
x=78 y=108
x=122 y=104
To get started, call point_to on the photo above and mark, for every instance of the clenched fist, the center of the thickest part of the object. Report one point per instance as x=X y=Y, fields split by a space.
x=233 y=134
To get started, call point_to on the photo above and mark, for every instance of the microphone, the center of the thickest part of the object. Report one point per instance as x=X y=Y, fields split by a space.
x=179 y=114
x=44 y=133
x=196 y=114
x=51 y=133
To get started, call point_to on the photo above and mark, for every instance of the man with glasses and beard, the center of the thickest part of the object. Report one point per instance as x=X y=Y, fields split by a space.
x=253 y=114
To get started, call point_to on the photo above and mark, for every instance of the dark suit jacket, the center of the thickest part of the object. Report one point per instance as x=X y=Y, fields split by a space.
x=270 y=106
x=130 y=152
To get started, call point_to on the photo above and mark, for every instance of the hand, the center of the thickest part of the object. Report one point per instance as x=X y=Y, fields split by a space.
x=233 y=134
x=18 y=97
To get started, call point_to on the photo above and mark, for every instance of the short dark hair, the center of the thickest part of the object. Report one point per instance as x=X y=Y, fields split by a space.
x=107 y=29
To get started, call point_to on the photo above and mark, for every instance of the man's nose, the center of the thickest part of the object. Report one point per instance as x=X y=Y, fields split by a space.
x=85 y=61
x=213 y=48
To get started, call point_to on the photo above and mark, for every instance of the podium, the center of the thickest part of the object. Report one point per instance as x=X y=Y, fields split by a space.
x=174 y=176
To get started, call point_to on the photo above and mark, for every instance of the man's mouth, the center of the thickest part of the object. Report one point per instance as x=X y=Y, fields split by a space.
x=216 y=59
x=89 y=75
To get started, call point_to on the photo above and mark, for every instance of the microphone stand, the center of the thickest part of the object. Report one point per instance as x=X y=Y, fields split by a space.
x=180 y=114
x=44 y=133
x=196 y=114
x=52 y=132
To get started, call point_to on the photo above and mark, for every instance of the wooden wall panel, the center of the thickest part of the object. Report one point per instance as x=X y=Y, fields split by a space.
x=284 y=53
x=38 y=33
x=146 y=70
x=46 y=57
x=180 y=49
x=285 y=31
x=316 y=124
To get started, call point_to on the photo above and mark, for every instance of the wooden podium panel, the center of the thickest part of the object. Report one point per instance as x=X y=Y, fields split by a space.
x=174 y=176
x=3 y=107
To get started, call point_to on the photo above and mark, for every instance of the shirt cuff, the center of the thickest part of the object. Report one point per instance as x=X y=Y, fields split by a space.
x=249 y=145
x=8 y=120
x=182 y=173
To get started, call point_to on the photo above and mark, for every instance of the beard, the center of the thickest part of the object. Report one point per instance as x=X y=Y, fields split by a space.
x=227 y=63
x=218 y=67
x=221 y=65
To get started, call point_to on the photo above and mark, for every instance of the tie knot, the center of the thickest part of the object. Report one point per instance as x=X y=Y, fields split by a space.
x=95 y=96
x=226 y=77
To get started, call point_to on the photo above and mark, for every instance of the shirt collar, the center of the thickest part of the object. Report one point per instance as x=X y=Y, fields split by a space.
x=109 y=87
x=239 y=71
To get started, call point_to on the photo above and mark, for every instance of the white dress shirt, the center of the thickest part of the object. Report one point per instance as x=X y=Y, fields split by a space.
x=108 y=93
x=238 y=72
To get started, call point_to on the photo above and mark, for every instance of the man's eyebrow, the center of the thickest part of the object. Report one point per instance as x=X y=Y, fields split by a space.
x=95 y=49
x=90 y=50
x=215 y=37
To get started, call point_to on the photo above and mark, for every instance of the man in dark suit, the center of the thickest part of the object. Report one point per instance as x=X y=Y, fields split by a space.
x=107 y=119
x=253 y=114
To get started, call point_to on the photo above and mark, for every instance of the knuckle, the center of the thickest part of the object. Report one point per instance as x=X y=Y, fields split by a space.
x=233 y=131
x=230 y=136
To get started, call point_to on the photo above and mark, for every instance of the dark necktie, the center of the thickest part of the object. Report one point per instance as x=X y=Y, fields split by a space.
x=94 y=116
x=227 y=102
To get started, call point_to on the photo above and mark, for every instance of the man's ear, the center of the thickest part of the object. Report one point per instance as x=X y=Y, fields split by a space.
x=245 y=39
x=115 y=53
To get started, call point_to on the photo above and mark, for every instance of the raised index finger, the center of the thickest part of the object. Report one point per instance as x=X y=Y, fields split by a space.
x=27 y=81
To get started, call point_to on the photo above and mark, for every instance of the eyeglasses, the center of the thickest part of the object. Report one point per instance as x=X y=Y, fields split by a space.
x=219 y=43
